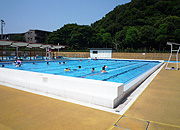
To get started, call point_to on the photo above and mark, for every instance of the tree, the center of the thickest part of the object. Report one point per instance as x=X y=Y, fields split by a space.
x=17 y=37
x=147 y=36
x=131 y=37
x=104 y=39
x=107 y=40
x=75 y=36
x=120 y=38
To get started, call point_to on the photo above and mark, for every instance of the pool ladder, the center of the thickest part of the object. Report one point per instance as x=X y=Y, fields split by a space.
x=173 y=52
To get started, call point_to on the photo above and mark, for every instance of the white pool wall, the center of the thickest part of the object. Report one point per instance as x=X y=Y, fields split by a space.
x=103 y=93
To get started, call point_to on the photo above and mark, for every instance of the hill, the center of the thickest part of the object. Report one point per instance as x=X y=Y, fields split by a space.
x=145 y=24
x=138 y=25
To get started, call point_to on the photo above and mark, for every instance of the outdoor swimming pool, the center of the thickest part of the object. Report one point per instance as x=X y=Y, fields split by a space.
x=120 y=71
x=104 y=89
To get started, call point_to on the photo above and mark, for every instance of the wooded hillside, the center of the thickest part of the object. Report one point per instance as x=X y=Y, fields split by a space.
x=138 y=25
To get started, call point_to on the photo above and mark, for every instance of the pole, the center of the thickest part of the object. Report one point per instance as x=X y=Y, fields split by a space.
x=16 y=52
x=30 y=53
x=34 y=53
x=2 y=53
x=2 y=24
x=58 y=50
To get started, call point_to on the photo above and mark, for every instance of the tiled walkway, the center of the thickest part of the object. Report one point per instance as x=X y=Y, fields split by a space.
x=157 y=108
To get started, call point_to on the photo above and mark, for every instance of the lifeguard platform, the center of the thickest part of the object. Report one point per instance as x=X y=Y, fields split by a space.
x=173 y=52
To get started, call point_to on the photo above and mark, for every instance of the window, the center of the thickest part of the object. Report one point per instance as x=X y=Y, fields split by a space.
x=95 y=52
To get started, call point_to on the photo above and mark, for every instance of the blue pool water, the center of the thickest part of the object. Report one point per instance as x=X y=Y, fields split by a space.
x=120 y=71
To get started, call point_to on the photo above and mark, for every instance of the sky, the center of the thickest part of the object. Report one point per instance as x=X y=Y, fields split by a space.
x=22 y=15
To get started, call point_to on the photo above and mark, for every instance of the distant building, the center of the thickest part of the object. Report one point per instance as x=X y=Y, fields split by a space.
x=36 y=36
x=31 y=36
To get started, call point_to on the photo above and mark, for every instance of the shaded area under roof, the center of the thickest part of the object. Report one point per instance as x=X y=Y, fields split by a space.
x=30 y=45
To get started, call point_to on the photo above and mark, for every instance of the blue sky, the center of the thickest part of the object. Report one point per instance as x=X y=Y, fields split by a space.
x=50 y=15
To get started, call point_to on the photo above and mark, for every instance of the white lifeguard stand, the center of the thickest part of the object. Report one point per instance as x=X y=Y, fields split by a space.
x=49 y=54
x=173 y=52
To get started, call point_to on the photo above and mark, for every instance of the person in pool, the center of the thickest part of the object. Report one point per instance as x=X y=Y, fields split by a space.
x=103 y=70
x=67 y=69
x=105 y=66
x=47 y=63
x=3 y=65
x=79 y=60
x=18 y=65
x=64 y=63
x=92 y=70
x=59 y=63
x=79 y=67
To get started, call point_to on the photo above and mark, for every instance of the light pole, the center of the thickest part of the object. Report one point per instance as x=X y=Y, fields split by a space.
x=2 y=24
x=58 y=50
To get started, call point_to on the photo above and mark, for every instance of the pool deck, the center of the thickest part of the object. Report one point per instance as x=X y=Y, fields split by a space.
x=157 y=108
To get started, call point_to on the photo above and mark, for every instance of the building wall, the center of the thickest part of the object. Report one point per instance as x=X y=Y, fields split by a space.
x=101 y=53
x=30 y=36
x=36 y=36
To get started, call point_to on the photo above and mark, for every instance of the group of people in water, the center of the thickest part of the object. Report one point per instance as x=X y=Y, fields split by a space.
x=17 y=63
x=79 y=67
x=93 y=69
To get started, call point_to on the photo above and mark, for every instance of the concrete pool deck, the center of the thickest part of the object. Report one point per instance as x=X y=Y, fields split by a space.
x=158 y=107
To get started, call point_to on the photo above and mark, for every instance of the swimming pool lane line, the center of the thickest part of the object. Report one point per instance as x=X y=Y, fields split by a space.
x=122 y=73
x=124 y=66
x=110 y=70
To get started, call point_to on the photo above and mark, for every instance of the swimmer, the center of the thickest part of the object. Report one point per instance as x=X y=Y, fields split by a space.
x=47 y=63
x=115 y=60
x=59 y=63
x=33 y=63
x=67 y=69
x=105 y=66
x=79 y=60
x=79 y=67
x=64 y=63
x=3 y=65
x=103 y=70
x=18 y=65
x=92 y=70
x=95 y=58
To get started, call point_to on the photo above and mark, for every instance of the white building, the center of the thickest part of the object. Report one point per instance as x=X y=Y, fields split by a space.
x=100 y=53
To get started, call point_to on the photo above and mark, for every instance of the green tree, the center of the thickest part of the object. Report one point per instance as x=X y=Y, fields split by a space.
x=162 y=36
x=75 y=36
x=107 y=39
x=119 y=38
x=131 y=37
x=17 y=37
x=147 y=37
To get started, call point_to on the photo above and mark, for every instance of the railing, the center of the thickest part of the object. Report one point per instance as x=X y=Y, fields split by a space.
x=175 y=53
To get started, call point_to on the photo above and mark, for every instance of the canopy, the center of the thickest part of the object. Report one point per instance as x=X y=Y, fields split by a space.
x=58 y=47
x=5 y=43
x=31 y=45
x=19 y=44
